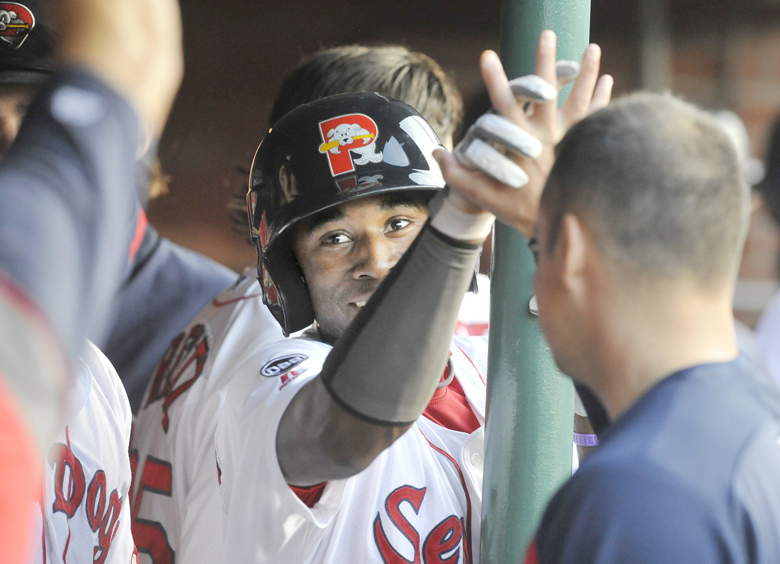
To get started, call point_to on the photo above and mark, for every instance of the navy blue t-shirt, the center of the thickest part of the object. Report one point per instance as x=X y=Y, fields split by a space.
x=169 y=285
x=690 y=473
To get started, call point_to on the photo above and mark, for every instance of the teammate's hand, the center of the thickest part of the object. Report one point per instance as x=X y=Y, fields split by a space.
x=542 y=120
x=135 y=46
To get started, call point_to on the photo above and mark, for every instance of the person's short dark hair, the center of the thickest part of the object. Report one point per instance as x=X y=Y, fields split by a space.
x=409 y=76
x=394 y=70
x=769 y=186
x=658 y=184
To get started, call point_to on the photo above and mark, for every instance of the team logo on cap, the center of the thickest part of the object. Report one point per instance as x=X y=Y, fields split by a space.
x=349 y=140
x=16 y=22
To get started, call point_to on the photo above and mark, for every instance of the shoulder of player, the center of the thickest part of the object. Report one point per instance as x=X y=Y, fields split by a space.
x=276 y=366
x=104 y=378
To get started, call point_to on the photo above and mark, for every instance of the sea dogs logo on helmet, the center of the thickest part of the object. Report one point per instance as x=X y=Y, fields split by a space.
x=349 y=140
x=16 y=22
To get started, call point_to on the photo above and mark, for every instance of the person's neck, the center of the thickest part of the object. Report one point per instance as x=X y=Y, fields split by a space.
x=643 y=343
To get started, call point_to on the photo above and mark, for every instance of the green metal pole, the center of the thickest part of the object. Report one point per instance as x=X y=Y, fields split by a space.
x=528 y=441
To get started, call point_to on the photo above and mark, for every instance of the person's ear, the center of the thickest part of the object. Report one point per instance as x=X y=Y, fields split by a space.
x=571 y=253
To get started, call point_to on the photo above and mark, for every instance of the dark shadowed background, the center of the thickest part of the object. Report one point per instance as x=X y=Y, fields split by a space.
x=722 y=54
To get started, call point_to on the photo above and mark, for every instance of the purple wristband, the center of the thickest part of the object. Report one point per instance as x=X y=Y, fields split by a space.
x=585 y=439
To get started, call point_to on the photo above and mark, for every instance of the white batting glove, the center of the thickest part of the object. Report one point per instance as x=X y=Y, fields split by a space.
x=485 y=144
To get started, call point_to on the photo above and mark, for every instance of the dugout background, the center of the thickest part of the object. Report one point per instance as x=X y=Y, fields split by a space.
x=721 y=54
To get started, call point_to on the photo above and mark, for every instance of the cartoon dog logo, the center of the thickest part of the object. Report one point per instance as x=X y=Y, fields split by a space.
x=16 y=22
x=347 y=134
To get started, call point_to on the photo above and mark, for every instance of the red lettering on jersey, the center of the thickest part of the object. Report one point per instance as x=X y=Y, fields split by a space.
x=96 y=494
x=150 y=536
x=345 y=134
x=186 y=354
x=68 y=495
x=69 y=490
x=405 y=494
x=443 y=543
x=109 y=525
x=441 y=546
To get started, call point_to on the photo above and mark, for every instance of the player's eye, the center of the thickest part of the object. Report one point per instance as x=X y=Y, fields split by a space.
x=335 y=238
x=398 y=223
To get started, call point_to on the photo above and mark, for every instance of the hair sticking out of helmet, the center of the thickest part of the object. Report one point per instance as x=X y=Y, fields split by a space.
x=393 y=70
x=320 y=155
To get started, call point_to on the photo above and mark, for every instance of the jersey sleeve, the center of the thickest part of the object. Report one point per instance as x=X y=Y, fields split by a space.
x=641 y=516
x=262 y=513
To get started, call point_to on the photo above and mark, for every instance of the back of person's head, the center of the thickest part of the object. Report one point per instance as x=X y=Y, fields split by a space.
x=769 y=187
x=413 y=78
x=659 y=186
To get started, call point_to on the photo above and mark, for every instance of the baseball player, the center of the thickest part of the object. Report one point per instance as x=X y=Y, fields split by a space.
x=176 y=508
x=361 y=439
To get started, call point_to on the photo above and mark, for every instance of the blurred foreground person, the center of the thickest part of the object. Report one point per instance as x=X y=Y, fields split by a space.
x=166 y=284
x=177 y=510
x=639 y=233
x=67 y=197
x=767 y=339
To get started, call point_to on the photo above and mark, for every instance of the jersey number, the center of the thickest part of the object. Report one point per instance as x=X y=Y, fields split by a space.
x=150 y=536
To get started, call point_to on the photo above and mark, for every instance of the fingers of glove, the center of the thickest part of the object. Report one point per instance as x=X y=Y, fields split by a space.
x=532 y=88
x=566 y=72
x=517 y=208
x=474 y=153
x=501 y=96
x=603 y=94
x=577 y=104
x=492 y=127
x=545 y=68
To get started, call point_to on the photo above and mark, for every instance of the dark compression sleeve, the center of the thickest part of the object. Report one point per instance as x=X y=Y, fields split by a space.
x=386 y=366
x=68 y=204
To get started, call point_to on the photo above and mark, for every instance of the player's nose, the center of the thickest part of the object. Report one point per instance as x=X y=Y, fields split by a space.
x=374 y=256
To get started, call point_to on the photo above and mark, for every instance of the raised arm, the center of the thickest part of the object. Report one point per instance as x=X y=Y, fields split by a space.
x=68 y=188
x=383 y=371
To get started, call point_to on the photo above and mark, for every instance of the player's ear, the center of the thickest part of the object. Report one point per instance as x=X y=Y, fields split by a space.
x=571 y=253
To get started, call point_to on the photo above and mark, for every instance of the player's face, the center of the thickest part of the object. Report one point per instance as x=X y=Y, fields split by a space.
x=347 y=251
x=13 y=107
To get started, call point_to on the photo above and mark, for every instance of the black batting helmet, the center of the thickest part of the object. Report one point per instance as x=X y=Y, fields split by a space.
x=26 y=42
x=323 y=154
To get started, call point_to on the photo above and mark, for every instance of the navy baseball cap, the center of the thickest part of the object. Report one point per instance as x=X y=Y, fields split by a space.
x=26 y=42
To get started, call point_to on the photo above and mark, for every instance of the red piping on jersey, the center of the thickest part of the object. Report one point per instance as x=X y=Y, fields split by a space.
x=467 y=550
x=217 y=303
x=70 y=479
x=472 y=364
x=140 y=231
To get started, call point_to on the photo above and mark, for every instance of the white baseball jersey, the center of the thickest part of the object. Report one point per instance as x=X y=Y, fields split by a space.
x=474 y=313
x=418 y=501
x=85 y=516
x=176 y=509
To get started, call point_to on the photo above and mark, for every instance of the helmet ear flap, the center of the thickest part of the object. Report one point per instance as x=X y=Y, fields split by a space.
x=285 y=291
